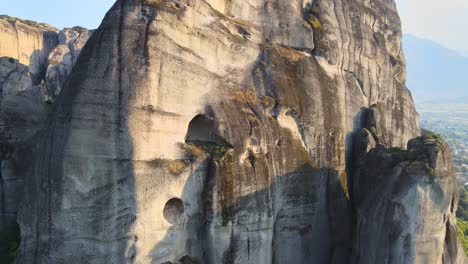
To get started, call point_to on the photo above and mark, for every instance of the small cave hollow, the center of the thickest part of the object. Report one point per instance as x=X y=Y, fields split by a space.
x=173 y=211
x=201 y=129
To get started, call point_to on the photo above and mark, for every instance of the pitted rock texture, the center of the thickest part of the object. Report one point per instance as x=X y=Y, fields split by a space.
x=216 y=132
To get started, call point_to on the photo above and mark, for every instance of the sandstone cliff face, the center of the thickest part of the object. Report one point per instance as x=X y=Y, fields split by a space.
x=29 y=77
x=222 y=132
x=62 y=59
x=48 y=53
x=28 y=42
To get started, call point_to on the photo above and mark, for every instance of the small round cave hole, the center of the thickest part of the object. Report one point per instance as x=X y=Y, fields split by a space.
x=173 y=210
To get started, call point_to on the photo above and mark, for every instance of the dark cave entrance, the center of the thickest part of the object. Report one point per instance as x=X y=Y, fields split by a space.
x=201 y=129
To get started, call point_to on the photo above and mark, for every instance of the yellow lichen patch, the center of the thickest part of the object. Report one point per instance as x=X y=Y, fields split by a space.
x=245 y=97
x=268 y=101
x=315 y=22
x=176 y=167
x=152 y=3
x=343 y=177
x=195 y=150
x=288 y=53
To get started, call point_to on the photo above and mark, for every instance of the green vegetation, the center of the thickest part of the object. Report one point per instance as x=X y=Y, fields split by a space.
x=399 y=155
x=25 y=21
x=429 y=170
x=451 y=121
x=462 y=211
x=9 y=242
x=462 y=218
x=463 y=233
x=374 y=132
x=217 y=150
x=437 y=137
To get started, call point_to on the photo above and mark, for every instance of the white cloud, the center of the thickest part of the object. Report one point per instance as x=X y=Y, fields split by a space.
x=445 y=22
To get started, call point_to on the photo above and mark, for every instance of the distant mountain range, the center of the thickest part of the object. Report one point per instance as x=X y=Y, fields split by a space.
x=435 y=74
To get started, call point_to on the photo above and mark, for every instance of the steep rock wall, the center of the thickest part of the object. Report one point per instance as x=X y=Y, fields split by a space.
x=30 y=79
x=216 y=131
x=28 y=42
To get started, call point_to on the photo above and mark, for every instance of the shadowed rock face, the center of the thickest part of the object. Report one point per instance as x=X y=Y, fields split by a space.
x=405 y=204
x=22 y=115
x=222 y=132
x=32 y=72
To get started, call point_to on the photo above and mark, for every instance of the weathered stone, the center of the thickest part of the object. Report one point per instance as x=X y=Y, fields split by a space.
x=28 y=42
x=22 y=115
x=226 y=132
x=62 y=59
x=405 y=213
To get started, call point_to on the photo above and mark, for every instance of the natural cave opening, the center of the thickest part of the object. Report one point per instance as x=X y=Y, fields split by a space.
x=173 y=211
x=201 y=129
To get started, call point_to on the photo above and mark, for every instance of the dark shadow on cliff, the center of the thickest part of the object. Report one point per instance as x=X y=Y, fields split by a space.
x=353 y=150
x=58 y=216
x=293 y=204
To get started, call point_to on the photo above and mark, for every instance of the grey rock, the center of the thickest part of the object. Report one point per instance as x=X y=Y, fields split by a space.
x=22 y=115
x=62 y=59
x=225 y=132
x=405 y=213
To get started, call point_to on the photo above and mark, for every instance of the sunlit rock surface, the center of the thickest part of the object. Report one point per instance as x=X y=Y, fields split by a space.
x=224 y=132
x=62 y=59
x=28 y=42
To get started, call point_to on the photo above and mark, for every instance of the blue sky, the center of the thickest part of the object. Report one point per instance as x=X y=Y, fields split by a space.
x=58 y=13
x=443 y=22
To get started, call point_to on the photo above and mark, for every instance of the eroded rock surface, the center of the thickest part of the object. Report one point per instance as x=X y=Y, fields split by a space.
x=405 y=205
x=22 y=115
x=28 y=42
x=32 y=70
x=62 y=59
x=194 y=131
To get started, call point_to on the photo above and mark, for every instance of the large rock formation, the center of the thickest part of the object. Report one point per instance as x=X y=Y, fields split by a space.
x=31 y=73
x=62 y=59
x=48 y=53
x=404 y=201
x=220 y=131
x=28 y=42
x=22 y=115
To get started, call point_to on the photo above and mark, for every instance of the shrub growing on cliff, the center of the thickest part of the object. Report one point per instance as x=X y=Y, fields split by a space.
x=463 y=233
x=437 y=137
